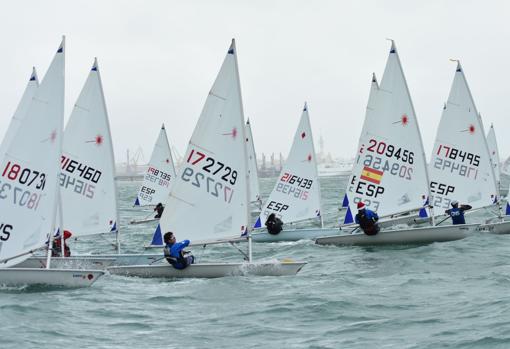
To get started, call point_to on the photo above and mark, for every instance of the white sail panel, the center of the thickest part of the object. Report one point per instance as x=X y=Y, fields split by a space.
x=89 y=200
x=494 y=152
x=252 y=167
x=460 y=166
x=389 y=174
x=29 y=169
x=209 y=198
x=296 y=194
x=159 y=175
x=21 y=110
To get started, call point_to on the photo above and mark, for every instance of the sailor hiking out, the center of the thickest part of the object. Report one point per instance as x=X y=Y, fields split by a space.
x=175 y=254
x=457 y=213
x=367 y=220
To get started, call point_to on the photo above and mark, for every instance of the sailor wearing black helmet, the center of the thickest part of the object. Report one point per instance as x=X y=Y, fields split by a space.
x=457 y=213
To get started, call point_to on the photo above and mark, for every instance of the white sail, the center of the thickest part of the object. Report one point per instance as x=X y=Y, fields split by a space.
x=89 y=200
x=21 y=110
x=296 y=194
x=209 y=198
x=159 y=175
x=494 y=152
x=389 y=174
x=252 y=166
x=460 y=166
x=29 y=169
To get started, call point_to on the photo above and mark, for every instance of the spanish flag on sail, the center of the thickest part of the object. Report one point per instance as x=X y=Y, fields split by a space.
x=371 y=175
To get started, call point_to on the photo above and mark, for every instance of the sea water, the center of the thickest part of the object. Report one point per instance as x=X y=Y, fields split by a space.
x=443 y=295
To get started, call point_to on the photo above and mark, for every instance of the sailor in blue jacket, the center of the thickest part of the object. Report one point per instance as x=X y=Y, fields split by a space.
x=367 y=220
x=174 y=252
x=457 y=213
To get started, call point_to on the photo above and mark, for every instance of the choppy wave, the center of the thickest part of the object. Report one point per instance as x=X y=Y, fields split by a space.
x=443 y=295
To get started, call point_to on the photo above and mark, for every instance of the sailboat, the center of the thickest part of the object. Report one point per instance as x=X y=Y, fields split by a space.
x=388 y=145
x=390 y=173
x=490 y=226
x=209 y=200
x=494 y=153
x=158 y=178
x=87 y=181
x=29 y=185
x=255 y=200
x=461 y=167
x=296 y=194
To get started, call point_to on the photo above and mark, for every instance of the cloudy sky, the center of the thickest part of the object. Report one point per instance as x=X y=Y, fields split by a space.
x=158 y=60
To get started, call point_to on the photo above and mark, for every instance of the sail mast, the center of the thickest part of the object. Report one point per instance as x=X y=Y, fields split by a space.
x=112 y=157
x=480 y=122
x=60 y=137
x=243 y=133
x=314 y=154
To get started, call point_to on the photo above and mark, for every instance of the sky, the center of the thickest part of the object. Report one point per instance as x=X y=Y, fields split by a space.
x=158 y=60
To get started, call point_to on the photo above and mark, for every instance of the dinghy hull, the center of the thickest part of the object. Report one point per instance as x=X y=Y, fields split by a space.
x=411 y=236
x=495 y=228
x=293 y=234
x=210 y=270
x=78 y=262
x=49 y=277
x=314 y=233
x=100 y=262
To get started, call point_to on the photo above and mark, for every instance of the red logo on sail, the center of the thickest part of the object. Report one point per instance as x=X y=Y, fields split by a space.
x=98 y=140
x=53 y=136
x=233 y=133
